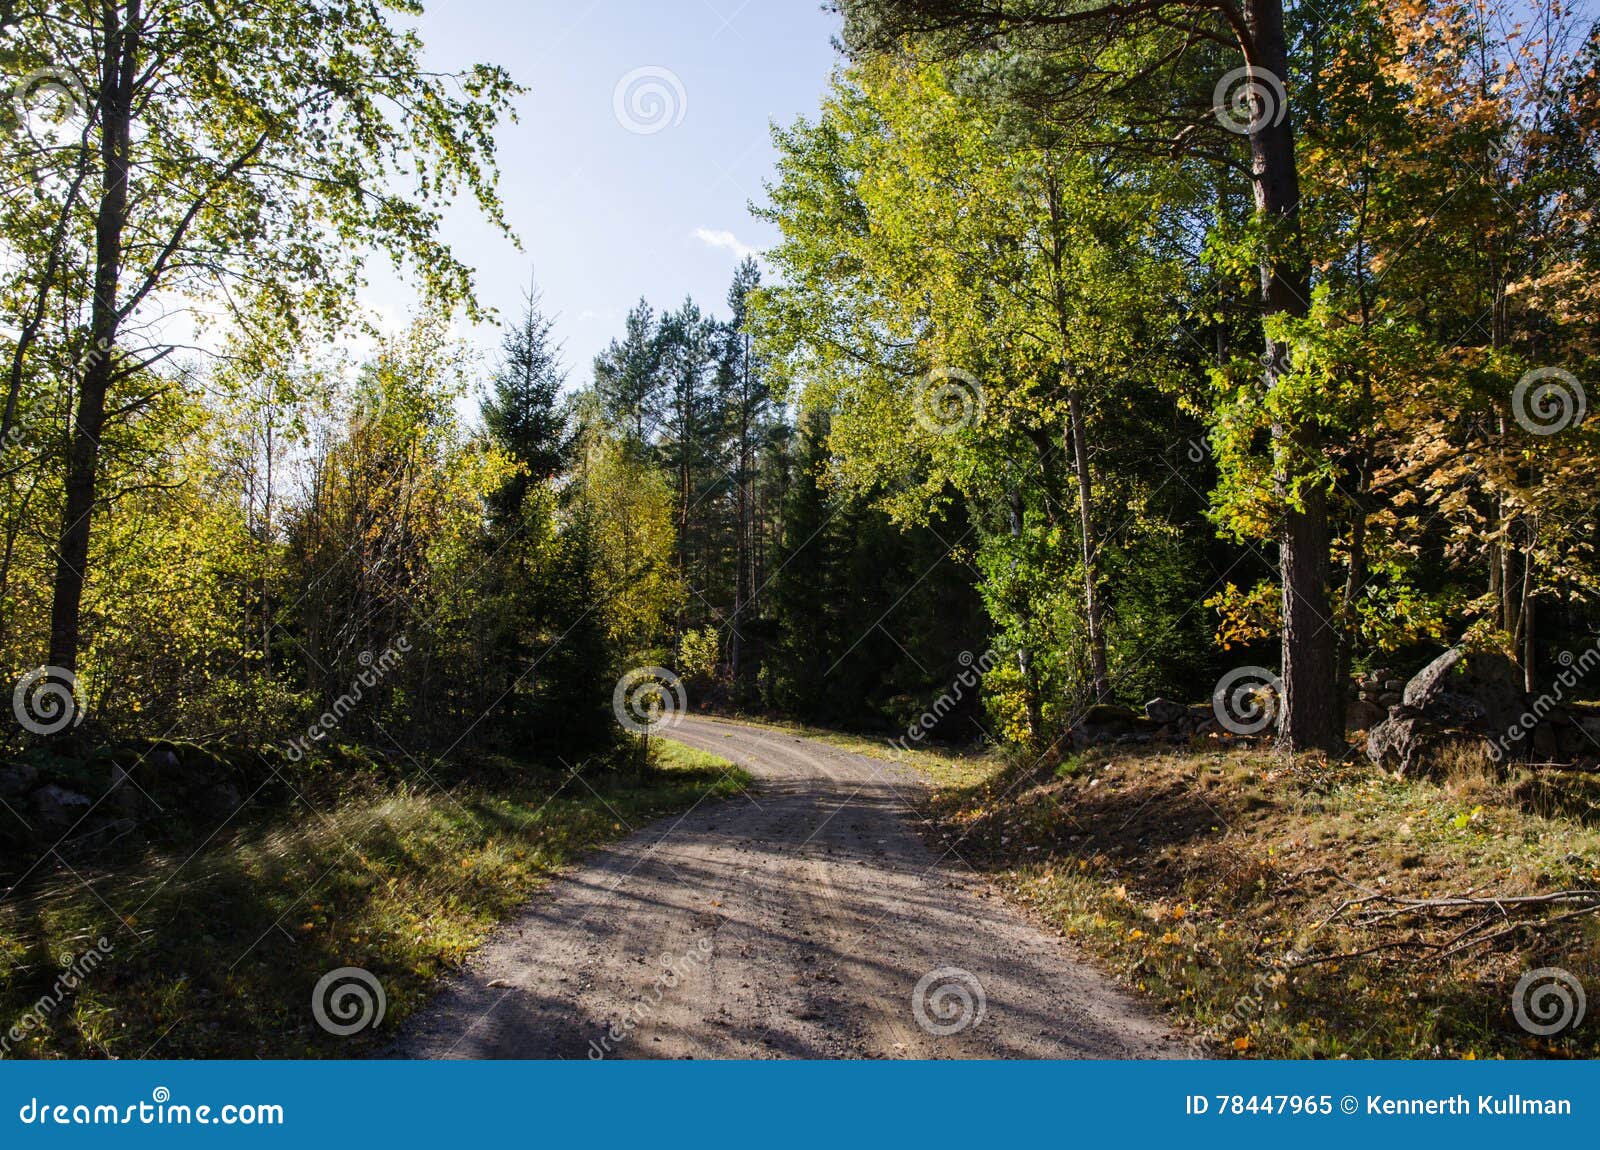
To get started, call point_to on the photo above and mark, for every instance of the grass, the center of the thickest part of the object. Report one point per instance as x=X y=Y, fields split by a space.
x=1208 y=879
x=214 y=953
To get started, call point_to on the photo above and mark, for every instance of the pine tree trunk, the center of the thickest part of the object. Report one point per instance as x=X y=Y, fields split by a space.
x=1308 y=714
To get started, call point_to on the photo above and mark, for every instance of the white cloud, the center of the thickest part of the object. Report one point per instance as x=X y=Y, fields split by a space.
x=725 y=239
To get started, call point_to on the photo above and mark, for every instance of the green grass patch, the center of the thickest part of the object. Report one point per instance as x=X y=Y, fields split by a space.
x=213 y=950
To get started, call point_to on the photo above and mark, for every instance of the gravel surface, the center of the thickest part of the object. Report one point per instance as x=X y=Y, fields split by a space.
x=806 y=919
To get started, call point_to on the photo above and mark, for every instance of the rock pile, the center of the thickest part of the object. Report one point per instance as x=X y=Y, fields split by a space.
x=1164 y=720
x=1477 y=700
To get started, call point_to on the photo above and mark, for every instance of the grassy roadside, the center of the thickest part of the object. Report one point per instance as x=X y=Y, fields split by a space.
x=1255 y=899
x=215 y=953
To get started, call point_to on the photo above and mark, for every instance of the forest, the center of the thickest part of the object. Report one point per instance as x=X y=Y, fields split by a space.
x=1094 y=354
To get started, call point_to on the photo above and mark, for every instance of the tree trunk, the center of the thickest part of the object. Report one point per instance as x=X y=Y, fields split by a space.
x=118 y=70
x=741 y=548
x=1092 y=610
x=1308 y=713
x=1030 y=677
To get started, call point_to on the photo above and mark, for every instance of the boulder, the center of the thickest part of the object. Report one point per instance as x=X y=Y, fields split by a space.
x=1577 y=743
x=220 y=801
x=1409 y=745
x=1108 y=715
x=17 y=779
x=1165 y=711
x=1397 y=743
x=1546 y=743
x=57 y=810
x=1481 y=691
x=126 y=798
x=1363 y=715
x=1430 y=680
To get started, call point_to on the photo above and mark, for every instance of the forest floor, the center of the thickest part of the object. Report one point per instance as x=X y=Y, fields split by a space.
x=1289 y=908
x=213 y=951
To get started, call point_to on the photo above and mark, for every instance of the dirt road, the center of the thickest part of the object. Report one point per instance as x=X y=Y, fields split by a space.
x=805 y=920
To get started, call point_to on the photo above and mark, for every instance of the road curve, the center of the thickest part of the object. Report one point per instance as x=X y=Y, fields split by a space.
x=798 y=921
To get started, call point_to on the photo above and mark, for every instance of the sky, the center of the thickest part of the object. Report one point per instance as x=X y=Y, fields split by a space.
x=643 y=138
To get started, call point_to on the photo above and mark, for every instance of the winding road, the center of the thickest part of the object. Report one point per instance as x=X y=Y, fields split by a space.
x=806 y=919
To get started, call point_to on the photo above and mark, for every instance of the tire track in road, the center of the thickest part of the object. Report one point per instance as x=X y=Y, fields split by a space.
x=794 y=922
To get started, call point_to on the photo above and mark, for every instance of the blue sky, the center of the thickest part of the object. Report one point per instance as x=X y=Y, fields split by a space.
x=607 y=214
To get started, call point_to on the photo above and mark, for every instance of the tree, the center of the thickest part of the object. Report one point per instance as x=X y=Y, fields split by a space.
x=227 y=150
x=1086 y=60
x=521 y=412
x=747 y=401
x=627 y=377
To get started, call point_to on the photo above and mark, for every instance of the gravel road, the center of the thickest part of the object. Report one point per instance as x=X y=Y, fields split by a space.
x=804 y=920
